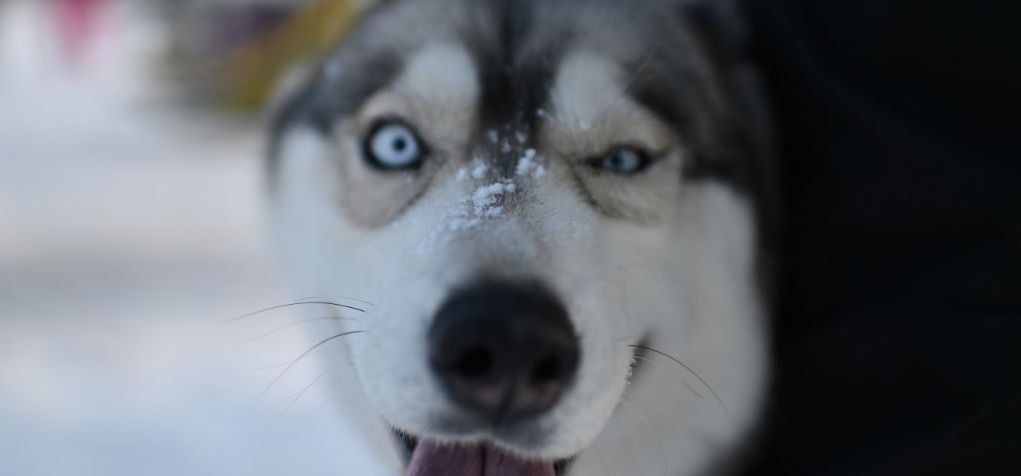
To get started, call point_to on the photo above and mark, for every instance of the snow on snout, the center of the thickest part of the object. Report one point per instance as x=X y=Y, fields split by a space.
x=483 y=202
x=486 y=197
x=480 y=204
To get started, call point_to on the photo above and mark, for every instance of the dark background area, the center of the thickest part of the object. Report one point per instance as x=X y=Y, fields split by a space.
x=899 y=324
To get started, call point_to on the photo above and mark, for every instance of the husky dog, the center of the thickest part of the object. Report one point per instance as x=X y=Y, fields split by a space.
x=552 y=207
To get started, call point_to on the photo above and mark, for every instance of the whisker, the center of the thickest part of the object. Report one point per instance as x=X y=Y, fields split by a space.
x=298 y=323
x=330 y=298
x=686 y=384
x=304 y=390
x=299 y=303
x=689 y=369
x=274 y=366
x=302 y=356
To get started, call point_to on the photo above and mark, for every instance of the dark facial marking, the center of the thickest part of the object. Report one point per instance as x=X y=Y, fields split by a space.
x=322 y=100
x=515 y=77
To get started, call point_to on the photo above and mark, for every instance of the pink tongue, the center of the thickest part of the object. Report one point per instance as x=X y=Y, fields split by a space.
x=432 y=459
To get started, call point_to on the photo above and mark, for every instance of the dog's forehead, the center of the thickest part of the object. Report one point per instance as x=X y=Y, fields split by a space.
x=516 y=47
x=516 y=51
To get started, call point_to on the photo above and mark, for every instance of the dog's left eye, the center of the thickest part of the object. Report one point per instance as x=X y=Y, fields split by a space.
x=393 y=145
x=623 y=160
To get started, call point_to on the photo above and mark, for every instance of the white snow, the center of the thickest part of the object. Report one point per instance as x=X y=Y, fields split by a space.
x=486 y=196
x=528 y=165
x=479 y=169
x=472 y=210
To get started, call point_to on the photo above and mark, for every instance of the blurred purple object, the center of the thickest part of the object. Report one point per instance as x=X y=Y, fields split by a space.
x=78 y=21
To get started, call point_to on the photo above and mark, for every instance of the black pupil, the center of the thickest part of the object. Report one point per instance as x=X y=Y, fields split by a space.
x=619 y=160
x=400 y=144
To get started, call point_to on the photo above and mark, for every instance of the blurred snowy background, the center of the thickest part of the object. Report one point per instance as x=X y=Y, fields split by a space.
x=130 y=232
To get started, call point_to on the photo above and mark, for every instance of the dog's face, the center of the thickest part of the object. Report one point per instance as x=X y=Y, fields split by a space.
x=527 y=194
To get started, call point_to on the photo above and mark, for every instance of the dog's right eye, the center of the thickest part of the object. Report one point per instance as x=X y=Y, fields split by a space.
x=393 y=145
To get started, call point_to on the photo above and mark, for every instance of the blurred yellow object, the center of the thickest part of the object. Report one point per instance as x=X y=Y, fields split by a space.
x=253 y=70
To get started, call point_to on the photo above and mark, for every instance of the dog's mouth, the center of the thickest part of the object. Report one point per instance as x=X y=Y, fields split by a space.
x=431 y=458
x=426 y=457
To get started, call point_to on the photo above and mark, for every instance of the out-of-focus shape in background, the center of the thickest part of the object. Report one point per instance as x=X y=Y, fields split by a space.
x=130 y=232
x=232 y=53
x=76 y=23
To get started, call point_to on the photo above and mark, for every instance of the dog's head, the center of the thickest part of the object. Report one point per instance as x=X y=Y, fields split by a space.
x=536 y=197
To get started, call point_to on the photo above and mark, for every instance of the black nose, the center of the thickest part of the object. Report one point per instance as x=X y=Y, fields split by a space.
x=506 y=351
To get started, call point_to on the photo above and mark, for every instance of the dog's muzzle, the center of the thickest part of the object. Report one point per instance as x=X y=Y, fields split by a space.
x=504 y=353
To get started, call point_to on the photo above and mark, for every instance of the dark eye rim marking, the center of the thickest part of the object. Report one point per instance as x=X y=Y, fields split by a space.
x=369 y=157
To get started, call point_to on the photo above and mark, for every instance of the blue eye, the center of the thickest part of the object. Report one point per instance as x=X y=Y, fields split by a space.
x=392 y=146
x=623 y=161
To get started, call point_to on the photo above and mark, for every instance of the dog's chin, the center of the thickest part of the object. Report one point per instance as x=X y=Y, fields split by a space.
x=430 y=457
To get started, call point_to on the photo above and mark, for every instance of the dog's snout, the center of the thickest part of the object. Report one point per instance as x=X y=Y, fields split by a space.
x=506 y=351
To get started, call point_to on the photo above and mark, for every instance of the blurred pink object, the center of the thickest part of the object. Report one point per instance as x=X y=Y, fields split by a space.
x=78 y=21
